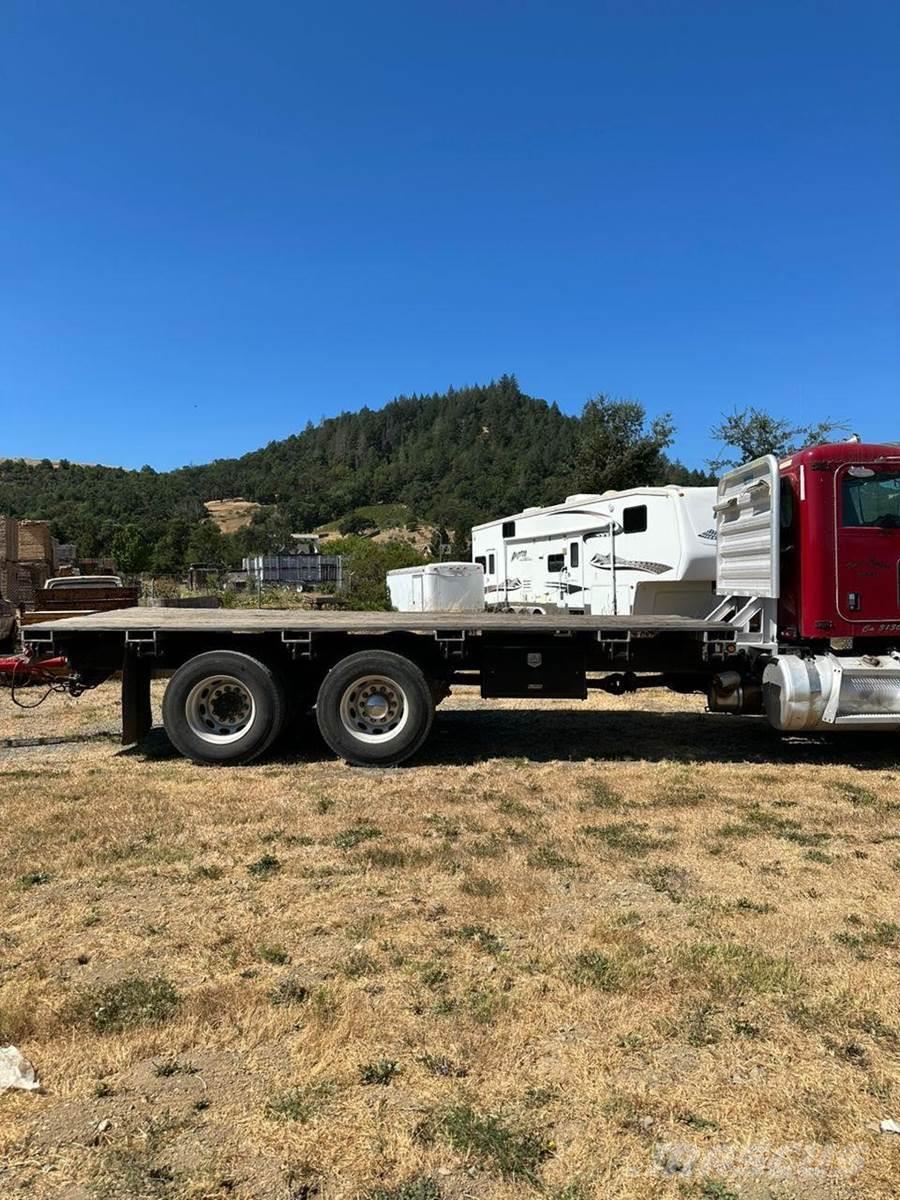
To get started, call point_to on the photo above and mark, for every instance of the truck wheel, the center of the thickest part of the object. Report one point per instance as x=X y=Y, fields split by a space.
x=375 y=708
x=223 y=707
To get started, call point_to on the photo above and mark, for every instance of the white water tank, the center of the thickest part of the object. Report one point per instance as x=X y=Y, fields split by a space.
x=437 y=587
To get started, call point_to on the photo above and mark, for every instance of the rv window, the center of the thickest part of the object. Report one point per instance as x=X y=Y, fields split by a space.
x=491 y=565
x=482 y=562
x=634 y=520
x=573 y=554
x=509 y=529
x=555 y=562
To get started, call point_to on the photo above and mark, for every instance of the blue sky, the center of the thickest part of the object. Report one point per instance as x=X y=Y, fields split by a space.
x=221 y=220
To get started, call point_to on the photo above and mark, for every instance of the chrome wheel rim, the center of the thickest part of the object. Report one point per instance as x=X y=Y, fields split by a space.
x=220 y=709
x=374 y=708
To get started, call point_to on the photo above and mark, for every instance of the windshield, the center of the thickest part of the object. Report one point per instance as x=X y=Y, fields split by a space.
x=873 y=502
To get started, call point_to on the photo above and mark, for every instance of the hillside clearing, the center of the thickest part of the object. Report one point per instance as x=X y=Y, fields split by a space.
x=620 y=949
x=232 y=515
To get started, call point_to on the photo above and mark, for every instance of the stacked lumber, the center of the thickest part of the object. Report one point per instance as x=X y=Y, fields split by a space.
x=9 y=539
x=7 y=621
x=9 y=559
x=9 y=585
x=35 y=542
x=27 y=558
x=31 y=577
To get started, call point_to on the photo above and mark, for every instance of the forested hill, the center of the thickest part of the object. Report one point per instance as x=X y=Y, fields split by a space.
x=453 y=459
x=465 y=454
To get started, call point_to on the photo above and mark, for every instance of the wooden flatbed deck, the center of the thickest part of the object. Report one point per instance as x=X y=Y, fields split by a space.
x=272 y=620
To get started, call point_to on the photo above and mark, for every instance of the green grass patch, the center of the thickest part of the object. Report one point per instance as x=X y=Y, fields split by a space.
x=759 y=822
x=593 y=969
x=277 y=955
x=599 y=794
x=439 y=1064
x=379 y=1073
x=819 y=856
x=112 y=1007
x=264 y=867
x=730 y=969
x=858 y=796
x=510 y=1149
x=880 y=935
x=668 y=881
x=33 y=879
x=434 y=975
x=349 y=838
x=359 y=964
x=549 y=858
x=625 y=837
x=378 y=516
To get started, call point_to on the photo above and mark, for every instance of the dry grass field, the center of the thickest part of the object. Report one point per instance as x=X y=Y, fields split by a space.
x=621 y=950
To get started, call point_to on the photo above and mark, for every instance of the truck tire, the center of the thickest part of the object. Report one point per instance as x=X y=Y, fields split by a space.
x=375 y=708
x=223 y=708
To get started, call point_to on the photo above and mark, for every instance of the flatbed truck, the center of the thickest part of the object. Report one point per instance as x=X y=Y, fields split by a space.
x=806 y=631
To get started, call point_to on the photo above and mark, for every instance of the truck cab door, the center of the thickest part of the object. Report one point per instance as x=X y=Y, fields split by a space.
x=867 y=535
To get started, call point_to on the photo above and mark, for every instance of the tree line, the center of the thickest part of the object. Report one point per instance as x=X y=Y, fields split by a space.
x=454 y=459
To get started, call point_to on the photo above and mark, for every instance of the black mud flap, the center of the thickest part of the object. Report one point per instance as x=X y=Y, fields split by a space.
x=137 y=717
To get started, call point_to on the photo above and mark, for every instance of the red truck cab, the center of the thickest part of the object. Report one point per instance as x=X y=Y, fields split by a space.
x=840 y=543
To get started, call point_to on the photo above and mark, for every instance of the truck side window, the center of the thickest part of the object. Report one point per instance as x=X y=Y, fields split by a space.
x=555 y=562
x=491 y=564
x=482 y=562
x=634 y=519
x=871 y=501
x=573 y=554
x=509 y=529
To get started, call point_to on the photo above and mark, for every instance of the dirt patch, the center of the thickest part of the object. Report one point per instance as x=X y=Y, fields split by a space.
x=232 y=515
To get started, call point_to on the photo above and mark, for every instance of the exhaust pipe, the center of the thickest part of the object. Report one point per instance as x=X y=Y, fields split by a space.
x=729 y=692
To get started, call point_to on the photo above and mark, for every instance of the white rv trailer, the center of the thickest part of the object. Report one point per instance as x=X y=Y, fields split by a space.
x=645 y=550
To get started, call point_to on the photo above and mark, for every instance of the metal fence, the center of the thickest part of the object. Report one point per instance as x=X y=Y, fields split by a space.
x=295 y=570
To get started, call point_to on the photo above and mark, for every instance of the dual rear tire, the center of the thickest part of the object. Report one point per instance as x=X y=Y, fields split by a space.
x=373 y=708
x=224 y=707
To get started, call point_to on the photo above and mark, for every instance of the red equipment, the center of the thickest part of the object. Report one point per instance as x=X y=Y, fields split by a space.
x=27 y=670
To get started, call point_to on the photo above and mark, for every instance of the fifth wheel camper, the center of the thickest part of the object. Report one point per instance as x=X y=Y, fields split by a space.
x=644 y=550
